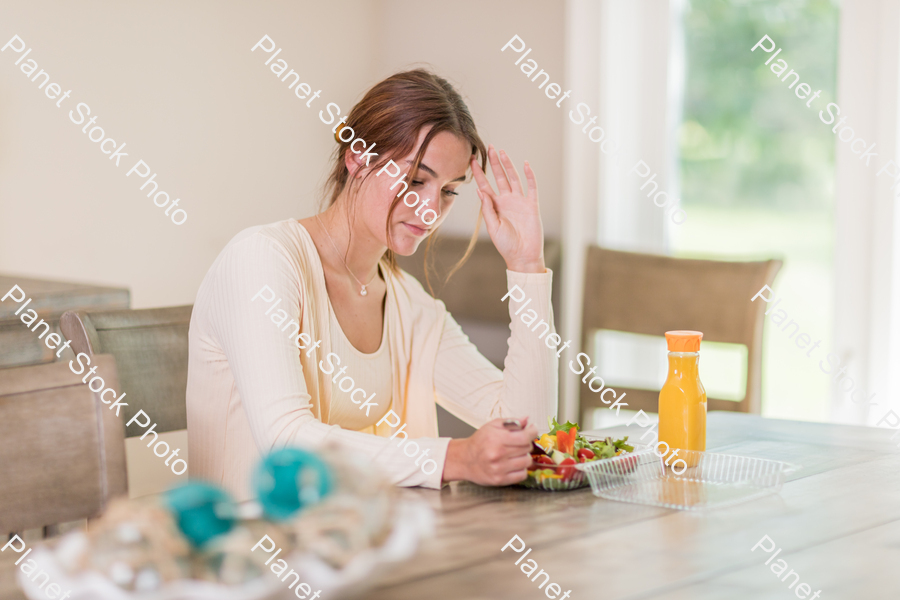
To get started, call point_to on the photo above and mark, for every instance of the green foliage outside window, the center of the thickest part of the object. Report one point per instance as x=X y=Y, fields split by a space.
x=746 y=139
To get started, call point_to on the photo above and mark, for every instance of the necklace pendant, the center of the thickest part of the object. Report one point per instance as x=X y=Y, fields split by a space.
x=363 y=291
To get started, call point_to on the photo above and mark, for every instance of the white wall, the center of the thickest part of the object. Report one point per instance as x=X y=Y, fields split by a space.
x=462 y=42
x=177 y=82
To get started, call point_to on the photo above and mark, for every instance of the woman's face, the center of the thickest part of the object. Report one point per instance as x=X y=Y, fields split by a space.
x=442 y=170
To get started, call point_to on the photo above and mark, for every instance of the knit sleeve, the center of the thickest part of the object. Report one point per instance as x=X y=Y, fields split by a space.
x=474 y=390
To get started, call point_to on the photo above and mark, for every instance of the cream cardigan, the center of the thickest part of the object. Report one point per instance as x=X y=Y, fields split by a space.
x=247 y=392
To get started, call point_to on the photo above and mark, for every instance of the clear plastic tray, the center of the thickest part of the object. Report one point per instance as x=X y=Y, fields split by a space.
x=709 y=481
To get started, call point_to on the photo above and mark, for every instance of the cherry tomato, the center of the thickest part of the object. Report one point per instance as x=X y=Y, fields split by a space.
x=542 y=459
x=565 y=470
x=585 y=453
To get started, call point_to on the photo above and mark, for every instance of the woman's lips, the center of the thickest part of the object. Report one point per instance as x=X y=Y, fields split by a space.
x=416 y=230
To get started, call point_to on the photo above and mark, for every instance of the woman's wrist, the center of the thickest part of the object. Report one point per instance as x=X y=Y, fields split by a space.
x=537 y=266
x=455 y=461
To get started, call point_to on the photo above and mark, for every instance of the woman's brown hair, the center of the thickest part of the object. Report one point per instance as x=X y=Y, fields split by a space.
x=391 y=115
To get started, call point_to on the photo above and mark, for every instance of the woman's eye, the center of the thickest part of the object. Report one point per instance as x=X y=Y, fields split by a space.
x=451 y=193
x=416 y=182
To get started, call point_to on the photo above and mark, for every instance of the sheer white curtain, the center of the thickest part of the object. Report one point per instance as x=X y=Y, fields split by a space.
x=622 y=63
x=867 y=230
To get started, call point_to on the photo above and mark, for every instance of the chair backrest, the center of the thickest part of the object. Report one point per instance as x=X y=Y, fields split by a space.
x=49 y=299
x=651 y=294
x=62 y=451
x=151 y=350
x=474 y=292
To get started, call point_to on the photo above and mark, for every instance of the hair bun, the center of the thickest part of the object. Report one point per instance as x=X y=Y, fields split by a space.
x=337 y=132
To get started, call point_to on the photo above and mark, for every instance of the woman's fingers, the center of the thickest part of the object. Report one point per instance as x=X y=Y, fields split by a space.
x=488 y=211
x=517 y=470
x=511 y=173
x=480 y=178
x=499 y=174
x=486 y=195
x=516 y=477
x=532 y=182
x=520 y=462
x=500 y=456
x=521 y=439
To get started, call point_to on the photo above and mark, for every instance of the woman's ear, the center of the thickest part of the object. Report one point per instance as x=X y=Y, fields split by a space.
x=353 y=161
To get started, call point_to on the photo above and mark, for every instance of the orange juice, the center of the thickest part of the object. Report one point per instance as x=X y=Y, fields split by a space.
x=682 y=399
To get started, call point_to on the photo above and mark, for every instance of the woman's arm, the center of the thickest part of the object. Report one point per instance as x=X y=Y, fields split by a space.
x=529 y=382
x=471 y=388
x=266 y=366
x=467 y=384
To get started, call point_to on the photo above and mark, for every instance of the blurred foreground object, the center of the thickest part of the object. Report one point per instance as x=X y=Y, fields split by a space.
x=289 y=480
x=192 y=543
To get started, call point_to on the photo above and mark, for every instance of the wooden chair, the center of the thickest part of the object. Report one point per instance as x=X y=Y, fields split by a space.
x=650 y=294
x=62 y=451
x=151 y=350
x=472 y=295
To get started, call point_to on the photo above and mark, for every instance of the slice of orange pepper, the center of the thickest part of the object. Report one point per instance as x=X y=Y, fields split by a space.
x=565 y=441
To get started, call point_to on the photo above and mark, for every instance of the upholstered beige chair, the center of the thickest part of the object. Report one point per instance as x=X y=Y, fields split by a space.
x=151 y=350
x=475 y=290
x=62 y=451
x=650 y=294
x=18 y=345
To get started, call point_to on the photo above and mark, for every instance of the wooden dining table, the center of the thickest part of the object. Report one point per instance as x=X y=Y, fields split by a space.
x=836 y=522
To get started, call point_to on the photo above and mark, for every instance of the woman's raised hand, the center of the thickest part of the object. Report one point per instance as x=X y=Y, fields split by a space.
x=513 y=218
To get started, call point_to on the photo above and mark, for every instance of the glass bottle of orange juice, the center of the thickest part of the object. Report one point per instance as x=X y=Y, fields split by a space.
x=682 y=399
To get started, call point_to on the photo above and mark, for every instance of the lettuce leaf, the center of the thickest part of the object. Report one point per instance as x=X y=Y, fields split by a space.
x=621 y=445
x=607 y=448
x=554 y=426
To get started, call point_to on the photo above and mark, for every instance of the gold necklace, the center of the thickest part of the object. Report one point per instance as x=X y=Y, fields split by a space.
x=362 y=291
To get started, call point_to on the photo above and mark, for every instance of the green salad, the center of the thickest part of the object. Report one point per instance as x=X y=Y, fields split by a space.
x=556 y=453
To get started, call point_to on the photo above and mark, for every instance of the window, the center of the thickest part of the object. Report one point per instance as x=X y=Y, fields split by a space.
x=757 y=171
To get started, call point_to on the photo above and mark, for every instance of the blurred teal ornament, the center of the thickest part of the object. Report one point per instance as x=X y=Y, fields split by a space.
x=290 y=479
x=202 y=511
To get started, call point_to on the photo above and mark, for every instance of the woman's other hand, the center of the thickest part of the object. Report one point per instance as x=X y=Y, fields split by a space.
x=513 y=218
x=493 y=455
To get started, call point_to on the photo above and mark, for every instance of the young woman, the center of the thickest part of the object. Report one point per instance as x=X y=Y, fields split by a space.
x=306 y=331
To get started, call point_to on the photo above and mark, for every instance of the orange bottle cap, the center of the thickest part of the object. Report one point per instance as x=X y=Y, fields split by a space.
x=683 y=341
